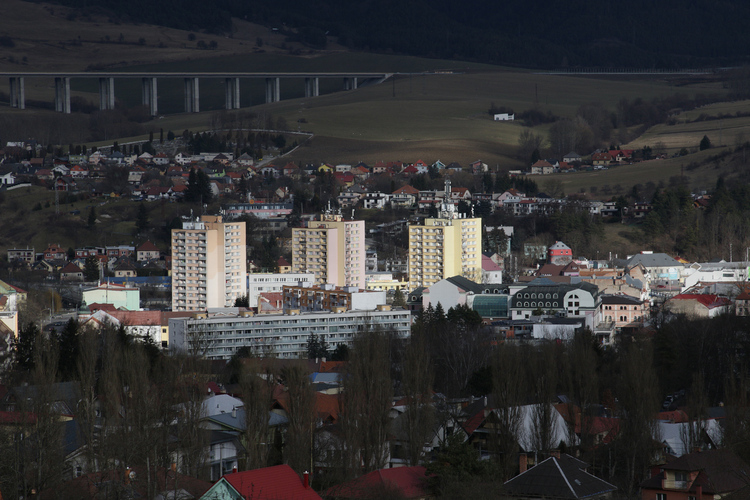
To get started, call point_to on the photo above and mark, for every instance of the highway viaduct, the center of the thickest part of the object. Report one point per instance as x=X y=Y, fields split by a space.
x=149 y=80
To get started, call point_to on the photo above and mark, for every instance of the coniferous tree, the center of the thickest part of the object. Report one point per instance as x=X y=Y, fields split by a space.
x=142 y=222
x=91 y=269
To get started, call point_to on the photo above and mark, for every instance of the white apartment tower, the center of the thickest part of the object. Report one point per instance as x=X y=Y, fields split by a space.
x=209 y=264
x=446 y=246
x=332 y=248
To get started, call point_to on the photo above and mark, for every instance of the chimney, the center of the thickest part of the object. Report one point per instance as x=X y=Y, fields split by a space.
x=306 y=480
x=523 y=462
x=234 y=469
x=127 y=475
x=173 y=467
x=555 y=453
x=234 y=412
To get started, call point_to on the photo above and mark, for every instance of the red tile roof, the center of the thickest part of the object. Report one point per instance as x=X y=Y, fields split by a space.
x=147 y=247
x=410 y=482
x=406 y=190
x=710 y=301
x=271 y=483
x=70 y=268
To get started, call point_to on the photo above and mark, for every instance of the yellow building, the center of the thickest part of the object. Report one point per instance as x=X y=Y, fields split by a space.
x=446 y=246
x=209 y=264
x=332 y=248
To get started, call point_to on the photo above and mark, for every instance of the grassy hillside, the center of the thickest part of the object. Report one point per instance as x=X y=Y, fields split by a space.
x=25 y=224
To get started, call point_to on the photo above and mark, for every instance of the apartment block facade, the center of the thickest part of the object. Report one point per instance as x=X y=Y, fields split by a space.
x=445 y=247
x=332 y=248
x=209 y=264
x=220 y=335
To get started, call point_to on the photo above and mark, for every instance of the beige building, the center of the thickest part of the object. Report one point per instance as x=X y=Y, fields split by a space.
x=209 y=265
x=332 y=248
x=446 y=246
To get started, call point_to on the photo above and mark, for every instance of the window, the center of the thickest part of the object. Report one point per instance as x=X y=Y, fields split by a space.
x=661 y=496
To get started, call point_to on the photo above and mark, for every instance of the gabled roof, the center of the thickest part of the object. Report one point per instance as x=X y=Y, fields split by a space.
x=147 y=247
x=270 y=483
x=721 y=471
x=70 y=268
x=562 y=477
x=409 y=482
x=406 y=190
x=709 y=301
x=542 y=163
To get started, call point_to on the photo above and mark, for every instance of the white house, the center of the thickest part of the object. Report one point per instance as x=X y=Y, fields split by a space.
x=505 y=117
x=7 y=179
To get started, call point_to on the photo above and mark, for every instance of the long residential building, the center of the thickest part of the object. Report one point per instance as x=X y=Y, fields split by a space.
x=258 y=283
x=209 y=264
x=449 y=245
x=332 y=248
x=220 y=334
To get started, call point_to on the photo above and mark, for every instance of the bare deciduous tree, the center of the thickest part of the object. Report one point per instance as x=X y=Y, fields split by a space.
x=417 y=387
x=256 y=399
x=301 y=411
x=509 y=390
x=365 y=403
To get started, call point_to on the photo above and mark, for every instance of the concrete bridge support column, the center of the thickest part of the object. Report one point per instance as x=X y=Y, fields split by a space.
x=232 y=93
x=17 y=93
x=350 y=83
x=62 y=94
x=148 y=95
x=312 y=87
x=106 y=93
x=192 y=95
x=273 y=89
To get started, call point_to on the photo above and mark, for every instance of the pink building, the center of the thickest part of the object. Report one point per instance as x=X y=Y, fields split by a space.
x=559 y=254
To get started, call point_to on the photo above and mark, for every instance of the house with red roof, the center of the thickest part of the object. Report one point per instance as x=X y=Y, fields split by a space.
x=146 y=251
x=160 y=159
x=460 y=193
x=380 y=167
x=406 y=482
x=542 y=167
x=695 y=305
x=742 y=303
x=78 y=172
x=601 y=159
x=71 y=272
x=700 y=475
x=279 y=482
x=409 y=171
x=55 y=252
x=478 y=167
x=291 y=170
x=621 y=154
x=344 y=178
x=404 y=197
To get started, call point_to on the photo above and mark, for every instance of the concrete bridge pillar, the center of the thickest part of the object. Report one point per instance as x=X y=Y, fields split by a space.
x=62 y=94
x=273 y=89
x=106 y=93
x=192 y=95
x=148 y=94
x=350 y=83
x=17 y=93
x=232 y=93
x=312 y=87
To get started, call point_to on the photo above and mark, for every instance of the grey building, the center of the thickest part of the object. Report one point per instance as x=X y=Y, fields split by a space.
x=221 y=333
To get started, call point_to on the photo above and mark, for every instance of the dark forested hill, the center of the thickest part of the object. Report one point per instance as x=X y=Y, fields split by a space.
x=529 y=33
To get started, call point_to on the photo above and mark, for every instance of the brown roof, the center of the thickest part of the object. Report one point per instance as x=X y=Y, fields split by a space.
x=147 y=247
x=70 y=268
